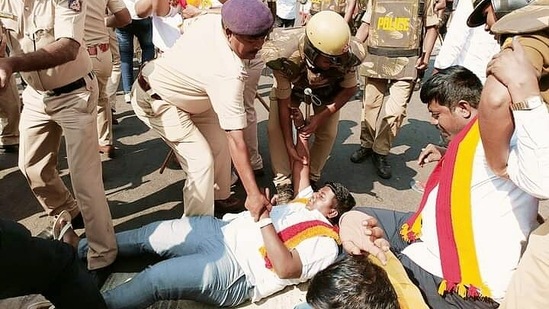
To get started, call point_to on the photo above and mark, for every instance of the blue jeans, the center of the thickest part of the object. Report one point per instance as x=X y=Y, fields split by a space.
x=142 y=29
x=197 y=265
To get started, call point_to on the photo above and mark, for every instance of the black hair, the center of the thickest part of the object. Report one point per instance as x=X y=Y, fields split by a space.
x=451 y=85
x=352 y=283
x=345 y=200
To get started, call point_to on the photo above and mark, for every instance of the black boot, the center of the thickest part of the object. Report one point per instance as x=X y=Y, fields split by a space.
x=383 y=168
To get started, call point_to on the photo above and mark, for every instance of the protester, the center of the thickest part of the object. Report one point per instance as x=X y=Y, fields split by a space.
x=467 y=265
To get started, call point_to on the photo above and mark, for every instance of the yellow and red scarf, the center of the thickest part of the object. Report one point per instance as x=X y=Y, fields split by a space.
x=454 y=222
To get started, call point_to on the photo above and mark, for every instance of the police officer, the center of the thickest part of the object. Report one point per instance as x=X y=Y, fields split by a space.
x=96 y=36
x=10 y=107
x=45 y=40
x=396 y=51
x=197 y=105
x=322 y=62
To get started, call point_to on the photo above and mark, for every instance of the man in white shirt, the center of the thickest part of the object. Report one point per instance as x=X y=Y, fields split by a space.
x=491 y=220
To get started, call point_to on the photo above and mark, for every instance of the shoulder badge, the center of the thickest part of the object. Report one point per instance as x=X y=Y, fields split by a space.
x=75 y=5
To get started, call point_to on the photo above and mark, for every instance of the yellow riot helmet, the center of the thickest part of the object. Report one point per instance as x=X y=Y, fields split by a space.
x=327 y=34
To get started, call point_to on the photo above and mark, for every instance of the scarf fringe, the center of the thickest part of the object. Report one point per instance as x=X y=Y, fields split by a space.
x=410 y=234
x=463 y=290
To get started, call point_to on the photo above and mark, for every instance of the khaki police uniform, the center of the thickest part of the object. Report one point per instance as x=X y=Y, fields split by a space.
x=61 y=101
x=337 y=6
x=114 y=79
x=10 y=107
x=96 y=36
x=528 y=287
x=190 y=103
x=286 y=80
x=254 y=68
x=395 y=75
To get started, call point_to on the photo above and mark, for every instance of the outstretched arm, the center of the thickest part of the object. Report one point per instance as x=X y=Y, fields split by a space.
x=300 y=168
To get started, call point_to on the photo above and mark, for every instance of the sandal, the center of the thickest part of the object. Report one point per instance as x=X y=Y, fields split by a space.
x=59 y=230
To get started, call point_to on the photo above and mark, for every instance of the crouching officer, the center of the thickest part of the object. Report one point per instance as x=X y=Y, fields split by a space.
x=45 y=42
x=319 y=69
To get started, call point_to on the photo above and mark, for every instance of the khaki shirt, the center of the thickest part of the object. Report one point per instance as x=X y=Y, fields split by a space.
x=200 y=72
x=95 y=29
x=39 y=23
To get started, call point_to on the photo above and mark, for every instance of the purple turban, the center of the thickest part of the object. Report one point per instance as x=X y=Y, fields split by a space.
x=247 y=17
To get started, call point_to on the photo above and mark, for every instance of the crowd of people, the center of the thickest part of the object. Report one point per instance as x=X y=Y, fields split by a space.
x=474 y=241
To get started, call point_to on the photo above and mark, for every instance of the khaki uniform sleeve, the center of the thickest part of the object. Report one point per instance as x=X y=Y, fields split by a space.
x=226 y=95
x=70 y=16
x=283 y=85
x=536 y=48
x=349 y=80
x=431 y=18
x=115 y=6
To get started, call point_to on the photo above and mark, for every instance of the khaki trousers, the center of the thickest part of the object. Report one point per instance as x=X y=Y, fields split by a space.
x=114 y=79
x=102 y=67
x=201 y=147
x=381 y=121
x=10 y=107
x=254 y=68
x=321 y=146
x=528 y=287
x=43 y=121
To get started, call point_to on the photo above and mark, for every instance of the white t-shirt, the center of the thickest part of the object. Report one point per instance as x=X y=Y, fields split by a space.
x=243 y=237
x=286 y=9
x=130 y=4
x=165 y=30
x=503 y=212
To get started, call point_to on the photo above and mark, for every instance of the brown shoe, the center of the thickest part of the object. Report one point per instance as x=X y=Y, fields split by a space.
x=228 y=205
x=107 y=149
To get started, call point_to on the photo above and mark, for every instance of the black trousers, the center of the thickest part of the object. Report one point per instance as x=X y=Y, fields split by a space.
x=31 y=265
x=391 y=221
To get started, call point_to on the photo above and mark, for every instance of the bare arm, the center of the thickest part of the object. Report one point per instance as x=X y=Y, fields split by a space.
x=143 y=8
x=256 y=202
x=429 y=40
x=51 y=55
x=119 y=19
x=300 y=168
x=286 y=263
x=160 y=7
x=349 y=10
x=362 y=32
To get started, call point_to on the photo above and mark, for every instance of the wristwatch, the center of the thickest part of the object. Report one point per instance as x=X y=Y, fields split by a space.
x=527 y=104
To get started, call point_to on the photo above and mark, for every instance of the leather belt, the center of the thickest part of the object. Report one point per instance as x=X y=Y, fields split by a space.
x=144 y=84
x=77 y=84
x=92 y=50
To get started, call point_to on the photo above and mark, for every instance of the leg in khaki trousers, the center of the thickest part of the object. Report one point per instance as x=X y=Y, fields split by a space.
x=254 y=68
x=114 y=79
x=102 y=67
x=321 y=147
x=201 y=147
x=381 y=121
x=10 y=109
x=528 y=287
x=43 y=121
